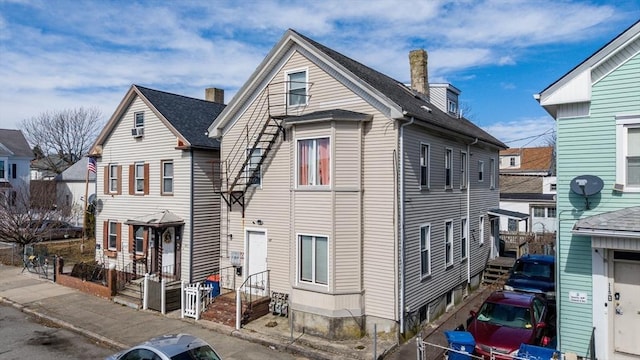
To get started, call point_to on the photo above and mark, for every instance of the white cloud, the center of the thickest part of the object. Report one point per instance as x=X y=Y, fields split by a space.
x=525 y=132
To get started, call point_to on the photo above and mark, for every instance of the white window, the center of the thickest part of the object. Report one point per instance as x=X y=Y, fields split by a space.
x=424 y=166
x=492 y=174
x=513 y=225
x=314 y=162
x=167 y=177
x=628 y=152
x=139 y=240
x=139 y=177
x=297 y=88
x=538 y=211
x=553 y=187
x=448 y=165
x=113 y=235
x=551 y=212
x=463 y=238
x=253 y=172
x=512 y=161
x=452 y=106
x=480 y=171
x=425 y=250
x=113 y=178
x=481 y=229
x=314 y=259
x=463 y=170
x=138 y=119
x=448 y=243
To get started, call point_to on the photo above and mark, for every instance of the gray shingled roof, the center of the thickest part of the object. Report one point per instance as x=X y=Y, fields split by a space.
x=190 y=116
x=76 y=172
x=408 y=100
x=333 y=114
x=15 y=141
x=625 y=220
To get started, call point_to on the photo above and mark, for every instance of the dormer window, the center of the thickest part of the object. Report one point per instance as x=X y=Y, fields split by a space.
x=452 y=107
x=297 y=88
x=512 y=161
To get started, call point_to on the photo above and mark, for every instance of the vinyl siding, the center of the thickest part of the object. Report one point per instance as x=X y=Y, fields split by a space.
x=206 y=217
x=435 y=206
x=157 y=144
x=360 y=226
x=588 y=146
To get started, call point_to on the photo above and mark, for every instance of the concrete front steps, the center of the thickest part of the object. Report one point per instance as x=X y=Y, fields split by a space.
x=131 y=295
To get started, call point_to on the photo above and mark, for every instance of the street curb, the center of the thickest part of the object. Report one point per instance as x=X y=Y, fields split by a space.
x=91 y=335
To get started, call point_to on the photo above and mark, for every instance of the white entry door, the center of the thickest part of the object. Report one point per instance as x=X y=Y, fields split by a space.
x=627 y=306
x=256 y=258
x=168 y=251
x=495 y=237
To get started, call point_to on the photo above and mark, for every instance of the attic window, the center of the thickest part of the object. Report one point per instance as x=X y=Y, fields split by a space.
x=452 y=107
x=138 y=119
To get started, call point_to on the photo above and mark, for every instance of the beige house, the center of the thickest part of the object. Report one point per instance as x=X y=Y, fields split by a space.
x=364 y=202
x=156 y=210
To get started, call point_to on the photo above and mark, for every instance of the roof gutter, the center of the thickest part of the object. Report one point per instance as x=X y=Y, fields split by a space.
x=607 y=233
x=401 y=223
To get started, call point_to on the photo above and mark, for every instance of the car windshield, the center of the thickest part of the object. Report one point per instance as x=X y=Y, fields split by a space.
x=535 y=269
x=199 y=353
x=506 y=315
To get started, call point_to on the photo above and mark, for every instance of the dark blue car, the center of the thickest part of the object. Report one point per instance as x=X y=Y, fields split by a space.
x=534 y=274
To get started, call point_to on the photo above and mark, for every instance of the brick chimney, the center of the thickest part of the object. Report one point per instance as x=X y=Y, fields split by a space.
x=419 y=72
x=214 y=94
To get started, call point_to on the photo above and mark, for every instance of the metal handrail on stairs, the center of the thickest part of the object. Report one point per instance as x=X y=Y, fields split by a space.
x=260 y=284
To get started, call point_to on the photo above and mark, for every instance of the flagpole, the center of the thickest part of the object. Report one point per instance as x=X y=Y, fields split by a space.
x=84 y=213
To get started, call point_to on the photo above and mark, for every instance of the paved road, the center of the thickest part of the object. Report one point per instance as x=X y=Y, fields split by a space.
x=22 y=337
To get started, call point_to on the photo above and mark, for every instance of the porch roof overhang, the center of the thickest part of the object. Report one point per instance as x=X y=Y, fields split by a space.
x=623 y=223
x=508 y=213
x=160 y=219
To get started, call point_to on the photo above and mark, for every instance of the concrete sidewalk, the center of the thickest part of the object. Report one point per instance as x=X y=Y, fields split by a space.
x=269 y=337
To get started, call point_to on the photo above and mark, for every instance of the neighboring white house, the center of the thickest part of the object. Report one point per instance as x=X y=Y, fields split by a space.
x=528 y=188
x=15 y=157
x=72 y=185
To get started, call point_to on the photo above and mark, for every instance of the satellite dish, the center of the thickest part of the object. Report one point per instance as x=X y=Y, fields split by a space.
x=586 y=185
x=92 y=198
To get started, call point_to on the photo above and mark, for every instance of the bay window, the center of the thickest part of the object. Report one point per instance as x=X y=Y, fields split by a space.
x=314 y=162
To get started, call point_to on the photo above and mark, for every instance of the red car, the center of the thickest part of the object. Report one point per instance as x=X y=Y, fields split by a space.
x=508 y=319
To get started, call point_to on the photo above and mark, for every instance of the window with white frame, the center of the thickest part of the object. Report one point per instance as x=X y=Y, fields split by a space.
x=628 y=151
x=139 y=240
x=512 y=161
x=425 y=250
x=113 y=178
x=3 y=169
x=297 y=88
x=480 y=171
x=14 y=171
x=113 y=235
x=463 y=238
x=448 y=243
x=424 y=166
x=313 y=259
x=138 y=119
x=463 y=170
x=167 y=177
x=538 y=211
x=314 y=162
x=481 y=230
x=452 y=107
x=139 y=177
x=551 y=212
x=492 y=173
x=512 y=225
x=253 y=172
x=448 y=165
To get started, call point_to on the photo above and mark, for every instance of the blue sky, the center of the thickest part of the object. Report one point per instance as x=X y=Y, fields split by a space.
x=57 y=55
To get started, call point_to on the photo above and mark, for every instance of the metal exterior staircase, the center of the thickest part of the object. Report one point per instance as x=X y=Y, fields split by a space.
x=244 y=164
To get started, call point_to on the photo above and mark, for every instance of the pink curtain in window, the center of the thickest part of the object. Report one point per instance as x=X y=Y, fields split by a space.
x=303 y=162
x=323 y=161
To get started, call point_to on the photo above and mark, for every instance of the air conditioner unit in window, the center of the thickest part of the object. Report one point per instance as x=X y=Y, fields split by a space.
x=137 y=132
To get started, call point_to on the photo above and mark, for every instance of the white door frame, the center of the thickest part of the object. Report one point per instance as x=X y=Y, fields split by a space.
x=247 y=253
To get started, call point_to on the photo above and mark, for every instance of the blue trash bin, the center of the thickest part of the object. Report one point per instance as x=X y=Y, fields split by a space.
x=532 y=352
x=461 y=341
x=214 y=282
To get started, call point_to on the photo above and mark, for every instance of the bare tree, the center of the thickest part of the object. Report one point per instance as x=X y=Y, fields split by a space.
x=550 y=140
x=68 y=134
x=22 y=213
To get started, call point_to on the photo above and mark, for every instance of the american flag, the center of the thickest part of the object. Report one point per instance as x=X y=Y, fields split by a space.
x=91 y=165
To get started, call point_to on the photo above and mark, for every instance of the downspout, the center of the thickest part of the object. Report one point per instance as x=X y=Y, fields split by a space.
x=401 y=222
x=469 y=210
x=190 y=223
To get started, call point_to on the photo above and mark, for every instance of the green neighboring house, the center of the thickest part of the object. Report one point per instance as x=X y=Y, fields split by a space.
x=597 y=109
